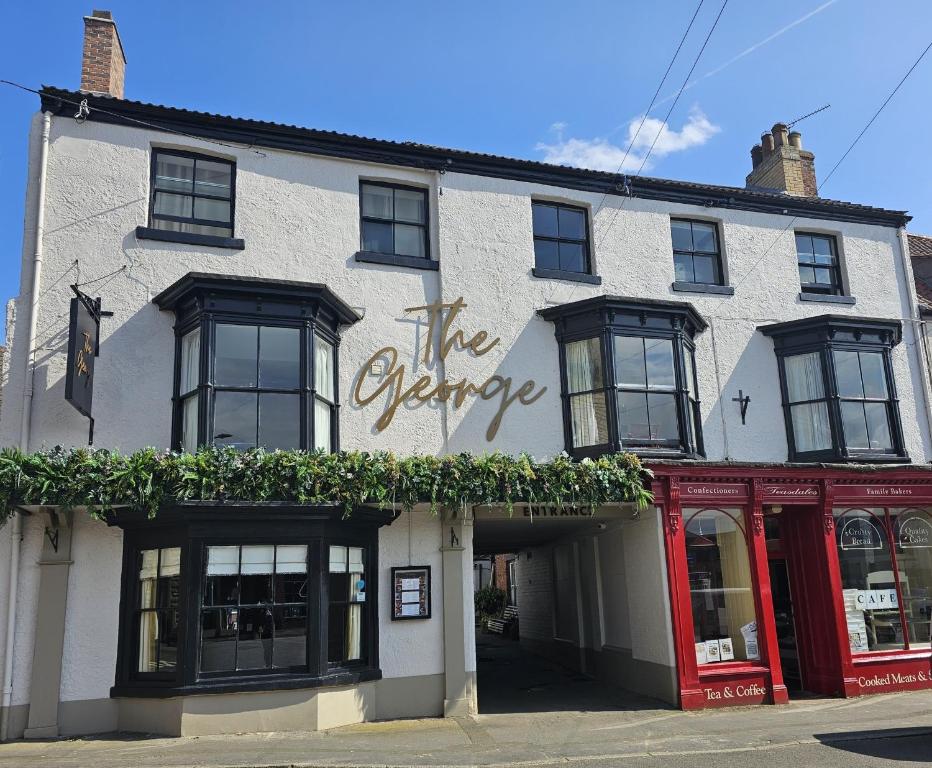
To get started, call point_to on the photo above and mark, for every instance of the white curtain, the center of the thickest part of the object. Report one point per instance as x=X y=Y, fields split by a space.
x=354 y=611
x=190 y=361
x=583 y=373
x=148 y=620
x=811 y=429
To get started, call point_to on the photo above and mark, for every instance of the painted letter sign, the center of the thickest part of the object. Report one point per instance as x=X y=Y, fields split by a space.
x=915 y=533
x=82 y=349
x=860 y=533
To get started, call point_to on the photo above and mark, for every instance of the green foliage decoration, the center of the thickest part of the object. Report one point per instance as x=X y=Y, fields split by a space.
x=146 y=480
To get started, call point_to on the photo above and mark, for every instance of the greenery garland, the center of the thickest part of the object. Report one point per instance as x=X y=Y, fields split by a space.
x=147 y=479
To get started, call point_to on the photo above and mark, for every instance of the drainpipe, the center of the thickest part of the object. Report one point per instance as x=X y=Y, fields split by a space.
x=917 y=328
x=16 y=529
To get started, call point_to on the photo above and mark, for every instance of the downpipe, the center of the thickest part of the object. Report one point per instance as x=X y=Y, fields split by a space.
x=16 y=528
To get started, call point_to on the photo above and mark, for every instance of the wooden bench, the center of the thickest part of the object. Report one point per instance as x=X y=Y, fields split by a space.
x=503 y=624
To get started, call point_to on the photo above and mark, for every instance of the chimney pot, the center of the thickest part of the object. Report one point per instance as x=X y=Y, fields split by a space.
x=796 y=140
x=766 y=141
x=779 y=163
x=757 y=155
x=780 y=135
x=103 y=68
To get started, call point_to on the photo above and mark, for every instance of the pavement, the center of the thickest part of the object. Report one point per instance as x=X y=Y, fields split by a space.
x=537 y=714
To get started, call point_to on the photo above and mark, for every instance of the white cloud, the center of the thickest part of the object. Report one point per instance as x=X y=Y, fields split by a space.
x=600 y=154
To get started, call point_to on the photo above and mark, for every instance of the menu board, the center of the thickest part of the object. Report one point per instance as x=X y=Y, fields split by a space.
x=411 y=592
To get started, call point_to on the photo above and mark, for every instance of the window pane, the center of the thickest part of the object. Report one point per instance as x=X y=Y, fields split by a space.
x=170 y=562
x=806 y=275
x=803 y=377
x=664 y=424
x=854 y=424
x=584 y=365
x=213 y=178
x=629 y=361
x=280 y=421
x=235 y=356
x=633 y=421
x=873 y=375
x=681 y=231
x=338 y=559
x=148 y=642
x=705 y=270
x=175 y=173
x=222 y=590
x=848 y=374
x=290 y=587
x=377 y=237
x=212 y=210
x=194 y=229
x=546 y=254
x=336 y=633
x=148 y=563
x=222 y=561
x=290 y=636
x=824 y=276
x=168 y=632
x=878 y=426
x=867 y=580
x=704 y=238
x=190 y=361
x=322 y=427
x=409 y=240
x=811 y=430
x=410 y=205
x=822 y=250
x=659 y=357
x=323 y=368
x=235 y=419
x=256 y=588
x=589 y=420
x=256 y=628
x=720 y=586
x=804 y=247
x=279 y=357
x=291 y=558
x=172 y=205
x=912 y=533
x=572 y=224
x=572 y=257
x=683 y=268
x=377 y=201
x=257 y=559
x=218 y=639
x=545 y=220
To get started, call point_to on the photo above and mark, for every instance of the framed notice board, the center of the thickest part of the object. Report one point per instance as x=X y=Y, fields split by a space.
x=411 y=593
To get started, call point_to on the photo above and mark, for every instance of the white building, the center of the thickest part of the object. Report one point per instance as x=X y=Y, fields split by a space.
x=275 y=285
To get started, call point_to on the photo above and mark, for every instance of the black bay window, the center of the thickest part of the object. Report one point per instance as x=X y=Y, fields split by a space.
x=256 y=363
x=222 y=597
x=628 y=376
x=839 y=394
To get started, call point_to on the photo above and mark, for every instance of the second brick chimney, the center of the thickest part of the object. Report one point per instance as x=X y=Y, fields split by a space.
x=780 y=163
x=104 y=64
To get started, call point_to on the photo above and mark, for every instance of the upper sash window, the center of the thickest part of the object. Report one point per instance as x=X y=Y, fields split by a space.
x=192 y=193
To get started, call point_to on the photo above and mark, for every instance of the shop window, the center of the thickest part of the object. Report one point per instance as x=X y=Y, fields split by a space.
x=156 y=616
x=885 y=558
x=648 y=401
x=347 y=590
x=839 y=396
x=696 y=252
x=393 y=220
x=256 y=370
x=720 y=586
x=192 y=194
x=561 y=238
x=818 y=264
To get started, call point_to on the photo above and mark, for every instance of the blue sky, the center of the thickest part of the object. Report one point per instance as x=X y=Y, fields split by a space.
x=560 y=81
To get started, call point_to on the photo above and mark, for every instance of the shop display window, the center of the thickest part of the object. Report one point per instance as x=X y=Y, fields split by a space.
x=720 y=585
x=885 y=558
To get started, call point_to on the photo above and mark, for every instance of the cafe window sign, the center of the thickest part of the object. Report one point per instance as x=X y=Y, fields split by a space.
x=83 y=348
x=443 y=337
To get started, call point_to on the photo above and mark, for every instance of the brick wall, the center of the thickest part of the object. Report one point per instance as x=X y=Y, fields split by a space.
x=103 y=67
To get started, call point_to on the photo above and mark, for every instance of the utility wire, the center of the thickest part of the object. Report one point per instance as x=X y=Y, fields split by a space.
x=650 y=106
x=82 y=106
x=834 y=168
x=666 y=118
x=102 y=277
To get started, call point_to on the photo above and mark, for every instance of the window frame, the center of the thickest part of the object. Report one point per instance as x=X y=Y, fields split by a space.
x=425 y=227
x=824 y=335
x=716 y=256
x=195 y=156
x=605 y=317
x=195 y=526
x=586 y=242
x=837 y=288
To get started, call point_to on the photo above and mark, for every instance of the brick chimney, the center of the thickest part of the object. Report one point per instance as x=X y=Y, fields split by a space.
x=104 y=63
x=780 y=163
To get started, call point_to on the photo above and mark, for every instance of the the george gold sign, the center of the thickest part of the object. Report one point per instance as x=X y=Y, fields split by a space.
x=442 y=316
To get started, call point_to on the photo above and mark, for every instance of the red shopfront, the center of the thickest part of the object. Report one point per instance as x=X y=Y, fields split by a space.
x=785 y=580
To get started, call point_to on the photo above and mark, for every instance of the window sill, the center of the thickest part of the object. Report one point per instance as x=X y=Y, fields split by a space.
x=395 y=260
x=724 y=668
x=826 y=298
x=559 y=274
x=149 y=233
x=152 y=690
x=876 y=657
x=721 y=290
x=867 y=458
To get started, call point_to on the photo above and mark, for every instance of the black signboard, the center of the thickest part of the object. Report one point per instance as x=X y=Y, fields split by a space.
x=83 y=330
x=411 y=592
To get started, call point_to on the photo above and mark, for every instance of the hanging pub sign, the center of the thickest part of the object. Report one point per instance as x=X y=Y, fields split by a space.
x=83 y=337
x=411 y=592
